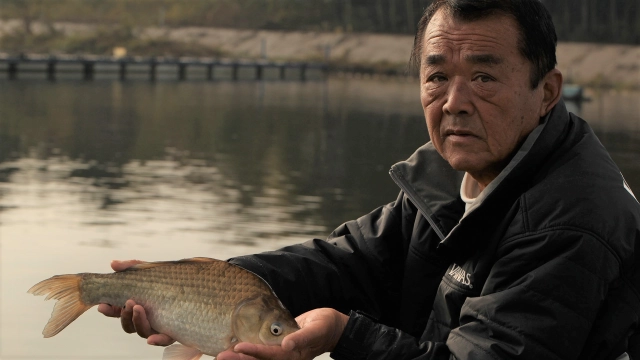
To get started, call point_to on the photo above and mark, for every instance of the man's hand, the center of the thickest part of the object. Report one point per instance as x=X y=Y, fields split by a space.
x=132 y=316
x=320 y=331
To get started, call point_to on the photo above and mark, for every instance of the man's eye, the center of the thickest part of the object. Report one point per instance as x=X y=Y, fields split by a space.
x=484 y=78
x=436 y=78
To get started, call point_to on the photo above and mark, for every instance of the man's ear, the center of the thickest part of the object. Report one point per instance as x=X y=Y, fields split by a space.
x=552 y=88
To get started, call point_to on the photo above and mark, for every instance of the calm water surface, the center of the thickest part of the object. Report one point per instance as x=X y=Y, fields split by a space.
x=94 y=171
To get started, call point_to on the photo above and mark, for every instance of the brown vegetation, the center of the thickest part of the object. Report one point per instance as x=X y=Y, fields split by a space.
x=607 y=21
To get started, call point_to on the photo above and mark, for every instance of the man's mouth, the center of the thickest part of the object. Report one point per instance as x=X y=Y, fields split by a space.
x=459 y=133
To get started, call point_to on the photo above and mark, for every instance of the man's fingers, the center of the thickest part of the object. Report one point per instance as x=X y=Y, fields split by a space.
x=109 y=310
x=143 y=328
x=259 y=351
x=120 y=265
x=160 y=340
x=126 y=317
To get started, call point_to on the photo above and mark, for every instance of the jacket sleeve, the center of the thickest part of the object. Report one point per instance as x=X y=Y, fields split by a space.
x=539 y=302
x=357 y=267
x=365 y=338
x=540 y=299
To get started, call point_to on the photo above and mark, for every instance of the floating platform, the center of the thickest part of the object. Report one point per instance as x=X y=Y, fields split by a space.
x=153 y=68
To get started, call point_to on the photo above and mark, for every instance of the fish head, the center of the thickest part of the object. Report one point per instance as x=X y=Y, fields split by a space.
x=277 y=324
x=262 y=320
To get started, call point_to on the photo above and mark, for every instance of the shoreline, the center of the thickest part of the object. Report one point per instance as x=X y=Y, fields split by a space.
x=587 y=64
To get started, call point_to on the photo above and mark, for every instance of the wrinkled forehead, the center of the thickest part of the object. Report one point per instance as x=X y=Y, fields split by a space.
x=495 y=32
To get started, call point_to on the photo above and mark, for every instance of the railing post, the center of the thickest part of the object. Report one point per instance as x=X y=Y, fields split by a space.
x=51 y=69
x=152 y=69
x=123 y=69
x=210 y=72
x=258 y=72
x=13 y=69
x=234 y=71
x=325 y=70
x=182 y=71
x=88 y=69
x=303 y=72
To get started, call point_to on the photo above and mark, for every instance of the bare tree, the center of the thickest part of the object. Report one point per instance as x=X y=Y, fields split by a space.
x=28 y=11
x=410 y=16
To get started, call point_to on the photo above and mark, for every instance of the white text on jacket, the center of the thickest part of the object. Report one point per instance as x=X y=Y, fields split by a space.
x=461 y=275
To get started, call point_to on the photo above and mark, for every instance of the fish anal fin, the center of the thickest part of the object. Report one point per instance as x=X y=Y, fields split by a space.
x=181 y=352
x=149 y=265
x=65 y=289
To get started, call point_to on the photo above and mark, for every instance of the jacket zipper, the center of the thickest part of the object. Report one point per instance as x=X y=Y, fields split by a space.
x=413 y=196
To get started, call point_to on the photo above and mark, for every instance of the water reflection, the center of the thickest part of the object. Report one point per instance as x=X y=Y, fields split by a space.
x=249 y=137
x=91 y=171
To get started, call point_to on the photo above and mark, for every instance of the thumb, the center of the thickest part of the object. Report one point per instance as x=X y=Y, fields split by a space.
x=289 y=344
x=120 y=265
x=298 y=340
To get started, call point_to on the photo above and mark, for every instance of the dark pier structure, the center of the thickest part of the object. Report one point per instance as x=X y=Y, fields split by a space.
x=153 y=67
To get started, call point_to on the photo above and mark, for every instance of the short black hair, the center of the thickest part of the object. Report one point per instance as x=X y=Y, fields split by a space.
x=538 y=39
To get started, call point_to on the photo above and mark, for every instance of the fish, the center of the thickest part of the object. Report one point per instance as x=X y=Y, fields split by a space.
x=206 y=305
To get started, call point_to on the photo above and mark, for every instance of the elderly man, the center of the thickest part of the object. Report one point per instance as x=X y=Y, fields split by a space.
x=514 y=233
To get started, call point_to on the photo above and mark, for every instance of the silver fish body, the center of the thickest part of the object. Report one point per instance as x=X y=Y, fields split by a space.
x=207 y=305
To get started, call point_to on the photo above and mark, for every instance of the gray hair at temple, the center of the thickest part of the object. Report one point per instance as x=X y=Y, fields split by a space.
x=538 y=39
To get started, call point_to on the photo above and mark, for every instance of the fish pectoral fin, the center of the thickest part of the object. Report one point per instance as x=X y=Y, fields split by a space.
x=181 y=352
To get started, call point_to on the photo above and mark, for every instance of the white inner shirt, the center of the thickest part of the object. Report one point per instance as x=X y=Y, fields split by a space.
x=469 y=190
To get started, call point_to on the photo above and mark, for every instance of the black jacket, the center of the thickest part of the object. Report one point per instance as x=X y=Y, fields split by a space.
x=544 y=267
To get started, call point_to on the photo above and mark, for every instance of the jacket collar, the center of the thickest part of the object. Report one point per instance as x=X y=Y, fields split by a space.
x=434 y=186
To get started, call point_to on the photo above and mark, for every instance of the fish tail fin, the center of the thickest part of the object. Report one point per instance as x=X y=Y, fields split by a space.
x=65 y=289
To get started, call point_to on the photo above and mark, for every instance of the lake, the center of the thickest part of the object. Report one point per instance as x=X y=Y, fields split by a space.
x=102 y=170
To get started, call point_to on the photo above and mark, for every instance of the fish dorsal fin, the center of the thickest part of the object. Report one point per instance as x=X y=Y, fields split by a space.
x=181 y=352
x=199 y=259
x=149 y=265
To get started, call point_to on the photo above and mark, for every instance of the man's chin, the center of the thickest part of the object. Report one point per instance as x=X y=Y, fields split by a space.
x=468 y=161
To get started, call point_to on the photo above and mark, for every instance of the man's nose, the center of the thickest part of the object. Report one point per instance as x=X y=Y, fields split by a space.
x=458 y=98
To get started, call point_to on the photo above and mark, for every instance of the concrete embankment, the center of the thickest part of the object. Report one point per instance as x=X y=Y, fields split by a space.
x=600 y=65
x=582 y=63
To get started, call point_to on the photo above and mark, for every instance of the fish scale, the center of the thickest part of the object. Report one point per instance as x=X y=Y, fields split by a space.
x=207 y=305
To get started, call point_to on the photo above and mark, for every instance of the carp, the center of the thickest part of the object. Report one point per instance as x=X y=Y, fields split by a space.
x=206 y=305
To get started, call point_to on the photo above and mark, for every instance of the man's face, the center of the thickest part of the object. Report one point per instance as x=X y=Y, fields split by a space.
x=476 y=93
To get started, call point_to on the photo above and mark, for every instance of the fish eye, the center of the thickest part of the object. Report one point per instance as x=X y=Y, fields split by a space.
x=276 y=329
